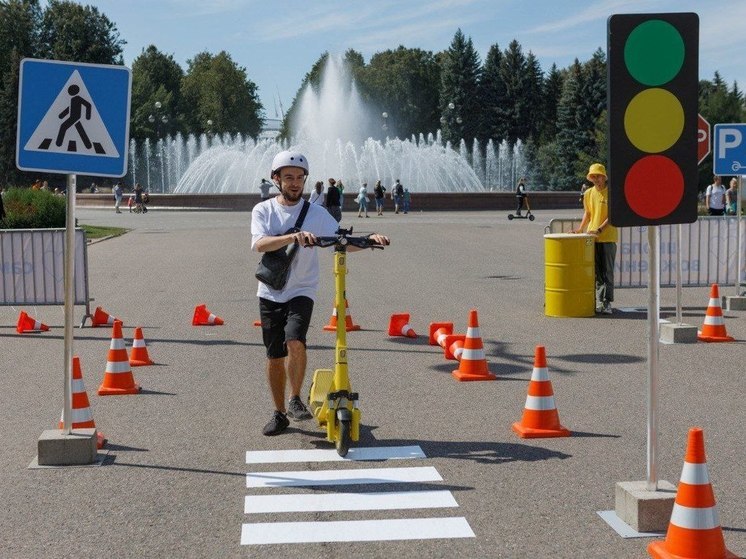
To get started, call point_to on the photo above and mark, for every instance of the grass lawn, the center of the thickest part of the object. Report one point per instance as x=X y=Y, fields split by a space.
x=94 y=232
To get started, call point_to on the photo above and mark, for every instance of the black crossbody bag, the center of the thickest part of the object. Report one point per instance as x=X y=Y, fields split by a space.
x=274 y=267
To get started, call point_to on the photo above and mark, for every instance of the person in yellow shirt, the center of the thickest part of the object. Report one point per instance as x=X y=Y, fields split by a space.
x=596 y=222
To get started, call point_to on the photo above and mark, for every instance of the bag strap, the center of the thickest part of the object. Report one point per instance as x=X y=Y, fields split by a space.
x=303 y=212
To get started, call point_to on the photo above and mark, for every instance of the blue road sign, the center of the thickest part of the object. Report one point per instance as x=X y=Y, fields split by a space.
x=729 y=149
x=73 y=118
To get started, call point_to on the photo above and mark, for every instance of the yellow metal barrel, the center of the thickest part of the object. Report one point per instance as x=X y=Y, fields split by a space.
x=569 y=275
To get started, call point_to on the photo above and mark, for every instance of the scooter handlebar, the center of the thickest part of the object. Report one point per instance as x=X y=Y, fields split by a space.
x=345 y=238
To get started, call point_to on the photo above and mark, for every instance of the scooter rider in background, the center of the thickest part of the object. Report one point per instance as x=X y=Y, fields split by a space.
x=520 y=193
x=286 y=314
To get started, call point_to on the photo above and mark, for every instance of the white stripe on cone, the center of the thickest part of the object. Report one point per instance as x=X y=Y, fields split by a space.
x=117 y=343
x=78 y=385
x=473 y=354
x=715 y=303
x=714 y=321
x=473 y=332
x=693 y=518
x=406 y=329
x=540 y=403
x=138 y=342
x=118 y=367
x=695 y=474
x=458 y=353
x=540 y=374
x=211 y=318
x=79 y=415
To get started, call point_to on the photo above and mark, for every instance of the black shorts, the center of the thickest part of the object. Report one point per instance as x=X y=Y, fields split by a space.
x=284 y=321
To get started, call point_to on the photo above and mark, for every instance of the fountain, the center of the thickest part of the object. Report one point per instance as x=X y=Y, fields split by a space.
x=337 y=132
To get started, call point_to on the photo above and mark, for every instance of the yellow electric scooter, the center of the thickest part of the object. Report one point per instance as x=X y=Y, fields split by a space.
x=331 y=399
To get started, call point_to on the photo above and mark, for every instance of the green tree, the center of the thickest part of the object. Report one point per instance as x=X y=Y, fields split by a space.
x=570 y=136
x=156 y=77
x=9 y=174
x=19 y=38
x=459 y=88
x=513 y=71
x=19 y=30
x=215 y=88
x=532 y=103
x=492 y=96
x=70 y=31
x=404 y=83
x=551 y=92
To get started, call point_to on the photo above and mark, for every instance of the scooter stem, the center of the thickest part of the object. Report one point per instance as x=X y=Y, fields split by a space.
x=341 y=376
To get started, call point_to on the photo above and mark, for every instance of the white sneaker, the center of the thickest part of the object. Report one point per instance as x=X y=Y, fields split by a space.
x=607 y=309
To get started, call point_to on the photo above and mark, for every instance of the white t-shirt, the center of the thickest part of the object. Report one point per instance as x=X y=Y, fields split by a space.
x=317 y=197
x=269 y=219
x=716 y=192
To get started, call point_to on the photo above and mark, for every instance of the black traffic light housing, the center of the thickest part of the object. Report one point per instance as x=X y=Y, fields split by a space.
x=653 y=81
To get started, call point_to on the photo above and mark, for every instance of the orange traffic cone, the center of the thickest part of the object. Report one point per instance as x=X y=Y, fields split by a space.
x=473 y=364
x=29 y=324
x=399 y=326
x=102 y=318
x=713 y=329
x=257 y=323
x=82 y=417
x=349 y=325
x=438 y=332
x=203 y=317
x=453 y=347
x=118 y=377
x=139 y=354
x=540 y=416
x=694 y=530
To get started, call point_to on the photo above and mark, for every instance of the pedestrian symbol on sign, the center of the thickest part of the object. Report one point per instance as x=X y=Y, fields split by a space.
x=82 y=124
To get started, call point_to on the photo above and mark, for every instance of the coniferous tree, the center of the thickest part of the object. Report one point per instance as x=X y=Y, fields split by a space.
x=533 y=99
x=571 y=131
x=492 y=96
x=9 y=174
x=513 y=71
x=459 y=90
x=551 y=92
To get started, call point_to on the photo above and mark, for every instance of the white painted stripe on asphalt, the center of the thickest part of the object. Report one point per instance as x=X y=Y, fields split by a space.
x=342 y=477
x=118 y=367
x=313 y=502
x=473 y=355
x=695 y=474
x=714 y=320
x=330 y=455
x=355 y=530
x=540 y=403
x=695 y=518
x=539 y=374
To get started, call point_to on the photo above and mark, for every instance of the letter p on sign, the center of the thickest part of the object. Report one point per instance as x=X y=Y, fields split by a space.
x=728 y=138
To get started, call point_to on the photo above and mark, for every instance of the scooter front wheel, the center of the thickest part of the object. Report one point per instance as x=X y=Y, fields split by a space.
x=510 y=217
x=531 y=217
x=345 y=437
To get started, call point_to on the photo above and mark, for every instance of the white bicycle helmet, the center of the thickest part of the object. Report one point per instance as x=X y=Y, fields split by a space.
x=289 y=159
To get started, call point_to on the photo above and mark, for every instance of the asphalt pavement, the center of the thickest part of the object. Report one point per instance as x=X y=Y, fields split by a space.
x=174 y=482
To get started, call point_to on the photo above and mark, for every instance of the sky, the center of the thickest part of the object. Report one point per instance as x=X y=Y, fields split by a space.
x=277 y=42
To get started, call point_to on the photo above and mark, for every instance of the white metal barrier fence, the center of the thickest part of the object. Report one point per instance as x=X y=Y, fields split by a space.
x=708 y=252
x=33 y=265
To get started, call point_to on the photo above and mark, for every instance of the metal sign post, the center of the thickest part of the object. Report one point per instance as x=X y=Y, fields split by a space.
x=739 y=258
x=653 y=335
x=69 y=302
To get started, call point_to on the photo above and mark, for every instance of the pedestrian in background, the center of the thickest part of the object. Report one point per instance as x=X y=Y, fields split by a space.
x=334 y=200
x=715 y=196
x=731 y=197
x=397 y=193
x=520 y=194
x=407 y=200
x=317 y=196
x=378 y=192
x=362 y=200
x=118 y=193
x=265 y=188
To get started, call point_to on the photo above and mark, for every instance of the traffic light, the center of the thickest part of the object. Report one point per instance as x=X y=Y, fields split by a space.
x=653 y=80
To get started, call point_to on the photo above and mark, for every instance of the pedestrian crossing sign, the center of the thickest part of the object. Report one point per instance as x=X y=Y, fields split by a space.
x=73 y=118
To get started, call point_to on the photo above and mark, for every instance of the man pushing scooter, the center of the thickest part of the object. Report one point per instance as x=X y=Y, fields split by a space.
x=285 y=229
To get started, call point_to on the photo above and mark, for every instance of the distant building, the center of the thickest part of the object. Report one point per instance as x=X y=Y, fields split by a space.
x=271 y=129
